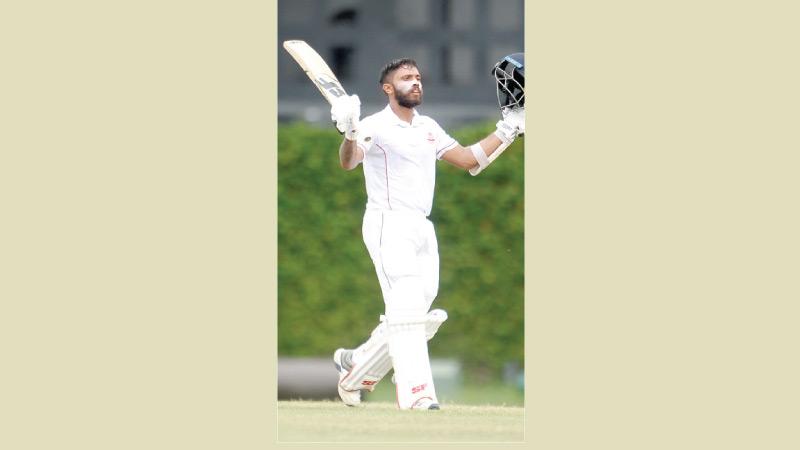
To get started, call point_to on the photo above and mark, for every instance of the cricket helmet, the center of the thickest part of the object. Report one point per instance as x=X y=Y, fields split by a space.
x=509 y=73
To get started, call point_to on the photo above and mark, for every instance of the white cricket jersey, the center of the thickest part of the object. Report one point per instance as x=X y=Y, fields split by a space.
x=400 y=160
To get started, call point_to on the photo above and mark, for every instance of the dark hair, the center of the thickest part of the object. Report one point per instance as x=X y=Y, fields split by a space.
x=394 y=65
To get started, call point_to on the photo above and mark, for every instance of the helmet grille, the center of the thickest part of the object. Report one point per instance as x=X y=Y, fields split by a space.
x=510 y=76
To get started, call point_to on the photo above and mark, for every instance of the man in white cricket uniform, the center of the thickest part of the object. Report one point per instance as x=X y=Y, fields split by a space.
x=398 y=148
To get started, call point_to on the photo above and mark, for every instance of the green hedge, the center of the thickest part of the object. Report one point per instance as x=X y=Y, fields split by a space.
x=328 y=293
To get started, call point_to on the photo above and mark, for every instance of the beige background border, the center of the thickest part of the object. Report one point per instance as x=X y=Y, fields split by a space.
x=138 y=230
x=662 y=243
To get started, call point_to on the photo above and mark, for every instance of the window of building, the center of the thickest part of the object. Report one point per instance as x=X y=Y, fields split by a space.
x=346 y=16
x=462 y=65
x=458 y=64
x=447 y=66
x=342 y=62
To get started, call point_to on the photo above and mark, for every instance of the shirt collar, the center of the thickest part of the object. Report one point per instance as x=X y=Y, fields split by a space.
x=399 y=121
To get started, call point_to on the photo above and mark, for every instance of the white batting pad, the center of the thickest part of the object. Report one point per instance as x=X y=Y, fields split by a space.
x=412 y=369
x=371 y=360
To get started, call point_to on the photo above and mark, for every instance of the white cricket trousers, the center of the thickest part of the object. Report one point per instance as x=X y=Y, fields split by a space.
x=405 y=252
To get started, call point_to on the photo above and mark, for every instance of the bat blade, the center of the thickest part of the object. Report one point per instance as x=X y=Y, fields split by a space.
x=317 y=70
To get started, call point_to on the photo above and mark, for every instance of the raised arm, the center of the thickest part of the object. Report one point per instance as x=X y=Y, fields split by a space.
x=464 y=158
x=479 y=155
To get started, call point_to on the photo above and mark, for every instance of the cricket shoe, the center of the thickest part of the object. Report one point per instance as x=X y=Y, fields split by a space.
x=425 y=403
x=340 y=358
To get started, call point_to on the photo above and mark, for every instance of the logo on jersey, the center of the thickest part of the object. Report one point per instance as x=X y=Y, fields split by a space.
x=430 y=137
x=368 y=383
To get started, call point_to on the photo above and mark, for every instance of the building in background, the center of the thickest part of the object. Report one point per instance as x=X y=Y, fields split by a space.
x=455 y=43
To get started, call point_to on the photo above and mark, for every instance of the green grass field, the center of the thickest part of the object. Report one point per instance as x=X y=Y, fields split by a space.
x=332 y=421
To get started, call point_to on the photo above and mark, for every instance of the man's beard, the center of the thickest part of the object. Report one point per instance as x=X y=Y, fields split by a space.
x=406 y=101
